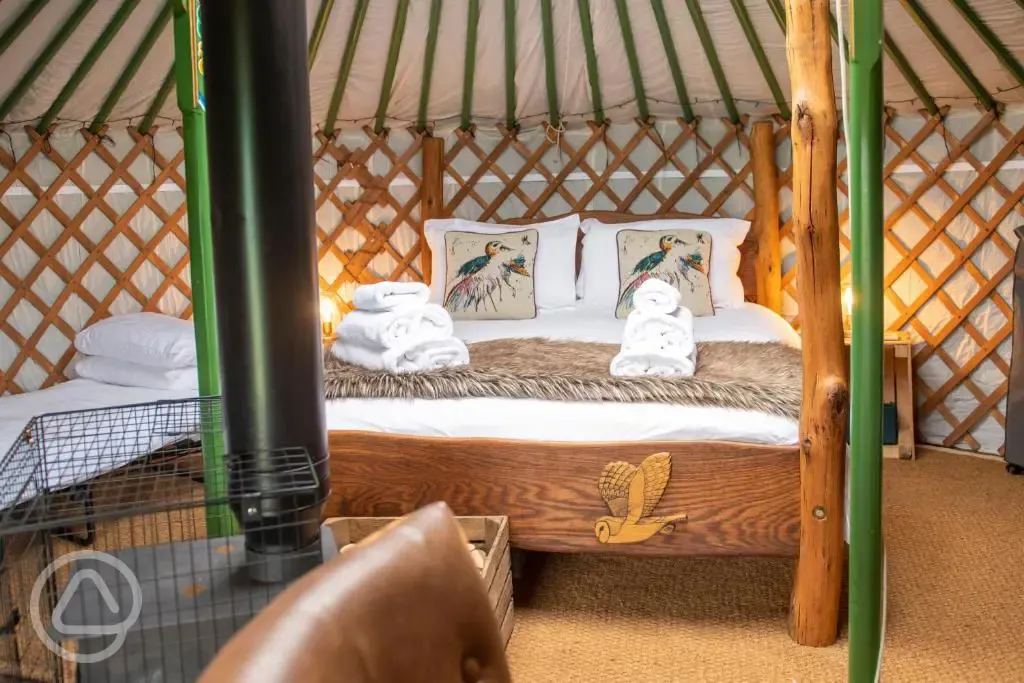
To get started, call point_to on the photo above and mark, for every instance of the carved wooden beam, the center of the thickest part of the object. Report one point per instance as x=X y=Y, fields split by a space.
x=815 y=608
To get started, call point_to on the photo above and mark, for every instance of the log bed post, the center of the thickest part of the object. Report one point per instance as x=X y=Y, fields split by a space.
x=431 y=196
x=814 y=611
x=768 y=266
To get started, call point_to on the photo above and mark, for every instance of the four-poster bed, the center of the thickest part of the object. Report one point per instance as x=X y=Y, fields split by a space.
x=718 y=497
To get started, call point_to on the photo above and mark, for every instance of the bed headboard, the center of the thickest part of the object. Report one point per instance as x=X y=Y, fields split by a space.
x=753 y=263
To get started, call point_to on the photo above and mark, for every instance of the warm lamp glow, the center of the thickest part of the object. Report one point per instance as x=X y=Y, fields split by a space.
x=847 y=308
x=328 y=314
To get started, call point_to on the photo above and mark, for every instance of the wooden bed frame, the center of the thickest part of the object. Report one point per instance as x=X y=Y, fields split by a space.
x=720 y=498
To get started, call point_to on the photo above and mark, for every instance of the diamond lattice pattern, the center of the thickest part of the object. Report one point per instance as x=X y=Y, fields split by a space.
x=95 y=225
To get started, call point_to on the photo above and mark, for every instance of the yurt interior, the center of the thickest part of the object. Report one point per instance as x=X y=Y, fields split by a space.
x=290 y=362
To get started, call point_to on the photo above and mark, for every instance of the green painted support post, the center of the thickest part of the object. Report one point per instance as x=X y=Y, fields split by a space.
x=188 y=67
x=866 y=221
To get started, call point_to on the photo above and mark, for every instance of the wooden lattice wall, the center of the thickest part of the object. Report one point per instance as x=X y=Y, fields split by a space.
x=96 y=225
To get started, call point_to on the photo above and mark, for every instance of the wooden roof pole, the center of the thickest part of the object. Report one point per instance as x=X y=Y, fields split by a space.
x=814 y=613
x=766 y=215
x=431 y=196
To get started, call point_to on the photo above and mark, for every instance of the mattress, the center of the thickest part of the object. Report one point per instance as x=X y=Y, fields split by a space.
x=74 y=458
x=536 y=420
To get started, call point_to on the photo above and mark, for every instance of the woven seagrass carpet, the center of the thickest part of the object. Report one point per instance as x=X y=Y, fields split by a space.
x=955 y=537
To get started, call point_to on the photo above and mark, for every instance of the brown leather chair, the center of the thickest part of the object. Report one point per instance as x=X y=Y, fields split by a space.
x=406 y=605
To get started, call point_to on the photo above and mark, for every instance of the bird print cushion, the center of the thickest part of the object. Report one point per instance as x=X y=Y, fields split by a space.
x=490 y=276
x=678 y=257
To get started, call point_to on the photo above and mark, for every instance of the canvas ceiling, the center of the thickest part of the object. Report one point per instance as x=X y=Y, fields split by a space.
x=746 y=83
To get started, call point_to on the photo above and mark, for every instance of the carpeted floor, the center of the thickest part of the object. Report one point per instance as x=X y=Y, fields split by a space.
x=955 y=538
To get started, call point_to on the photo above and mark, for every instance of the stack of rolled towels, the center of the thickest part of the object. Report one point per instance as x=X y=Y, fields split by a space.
x=658 y=339
x=394 y=328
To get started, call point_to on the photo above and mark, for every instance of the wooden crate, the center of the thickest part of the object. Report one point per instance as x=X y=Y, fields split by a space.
x=489 y=534
x=898 y=389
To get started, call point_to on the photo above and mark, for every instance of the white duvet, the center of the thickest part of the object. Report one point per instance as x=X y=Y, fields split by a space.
x=536 y=420
x=102 y=448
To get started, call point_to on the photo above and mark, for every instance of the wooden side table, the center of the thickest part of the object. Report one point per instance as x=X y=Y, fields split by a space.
x=897 y=390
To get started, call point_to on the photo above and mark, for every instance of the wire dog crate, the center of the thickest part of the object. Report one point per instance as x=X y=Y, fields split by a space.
x=122 y=554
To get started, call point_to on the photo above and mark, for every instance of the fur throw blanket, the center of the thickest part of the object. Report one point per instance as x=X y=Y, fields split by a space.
x=765 y=377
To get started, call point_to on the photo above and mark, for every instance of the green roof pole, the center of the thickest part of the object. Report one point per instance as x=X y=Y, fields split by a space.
x=470 y=65
x=142 y=50
x=1005 y=57
x=866 y=220
x=712 y=54
x=158 y=100
x=428 y=65
x=510 y=64
x=20 y=23
x=394 y=48
x=587 y=28
x=188 y=70
x=673 y=59
x=45 y=57
x=85 y=66
x=548 y=32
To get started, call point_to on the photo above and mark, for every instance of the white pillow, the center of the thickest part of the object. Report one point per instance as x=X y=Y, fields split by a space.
x=555 y=267
x=125 y=374
x=598 y=284
x=150 y=339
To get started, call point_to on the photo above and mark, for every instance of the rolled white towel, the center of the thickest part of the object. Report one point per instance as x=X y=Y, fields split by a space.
x=652 y=362
x=431 y=354
x=656 y=296
x=673 y=333
x=399 y=327
x=387 y=296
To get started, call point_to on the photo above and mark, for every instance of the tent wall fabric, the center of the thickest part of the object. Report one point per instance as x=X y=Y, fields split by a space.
x=620 y=59
x=91 y=225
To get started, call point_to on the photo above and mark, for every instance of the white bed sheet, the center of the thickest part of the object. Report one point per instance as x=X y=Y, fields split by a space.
x=536 y=420
x=75 y=458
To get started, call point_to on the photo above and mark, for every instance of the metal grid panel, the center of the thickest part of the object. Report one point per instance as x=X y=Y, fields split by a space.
x=953 y=196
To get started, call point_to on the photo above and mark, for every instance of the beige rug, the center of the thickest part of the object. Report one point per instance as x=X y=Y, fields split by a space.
x=955 y=537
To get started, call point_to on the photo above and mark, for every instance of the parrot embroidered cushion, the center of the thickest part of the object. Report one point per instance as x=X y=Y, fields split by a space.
x=490 y=276
x=678 y=257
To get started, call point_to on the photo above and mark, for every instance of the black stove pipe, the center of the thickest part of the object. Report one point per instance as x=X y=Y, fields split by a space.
x=265 y=270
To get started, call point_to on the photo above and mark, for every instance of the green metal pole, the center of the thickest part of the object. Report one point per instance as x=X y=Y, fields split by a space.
x=188 y=68
x=866 y=220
